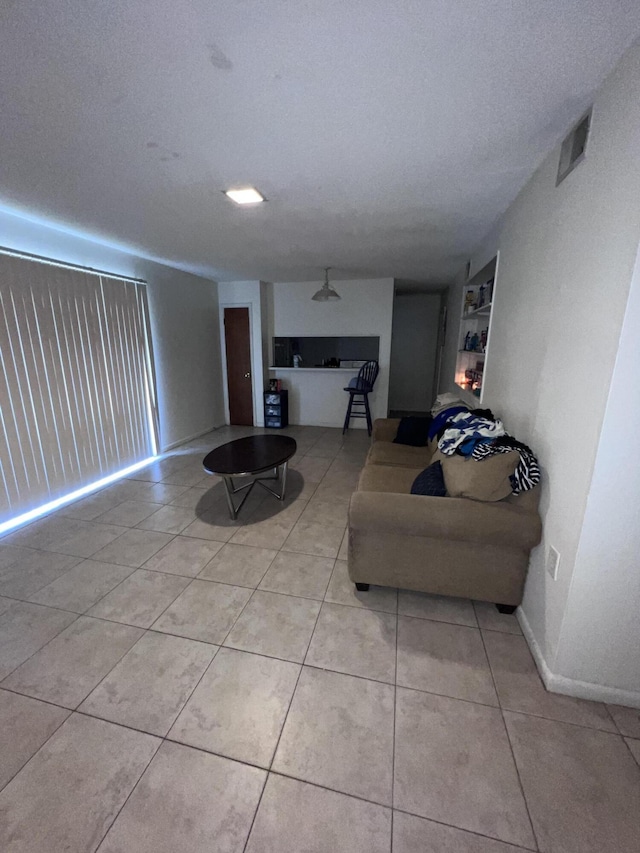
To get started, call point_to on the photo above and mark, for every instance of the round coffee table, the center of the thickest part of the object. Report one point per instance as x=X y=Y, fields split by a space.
x=248 y=457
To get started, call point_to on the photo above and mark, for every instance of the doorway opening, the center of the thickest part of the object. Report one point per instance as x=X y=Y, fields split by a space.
x=414 y=350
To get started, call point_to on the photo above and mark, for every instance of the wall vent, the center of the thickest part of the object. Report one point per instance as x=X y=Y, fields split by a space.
x=574 y=147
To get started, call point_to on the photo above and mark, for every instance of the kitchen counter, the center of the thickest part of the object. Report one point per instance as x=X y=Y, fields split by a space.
x=317 y=369
x=316 y=394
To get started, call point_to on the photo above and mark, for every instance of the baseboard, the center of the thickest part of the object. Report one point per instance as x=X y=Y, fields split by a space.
x=333 y=425
x=571 y=686
x=189 y=438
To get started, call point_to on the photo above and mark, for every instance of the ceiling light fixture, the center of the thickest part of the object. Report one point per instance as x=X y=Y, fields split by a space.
x=326 y=293
x=248 y=195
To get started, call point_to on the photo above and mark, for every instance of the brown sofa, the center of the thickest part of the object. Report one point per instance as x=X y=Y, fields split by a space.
x=447 y=546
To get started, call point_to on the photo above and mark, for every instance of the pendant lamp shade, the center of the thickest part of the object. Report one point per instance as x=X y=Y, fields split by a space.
x=326 y=293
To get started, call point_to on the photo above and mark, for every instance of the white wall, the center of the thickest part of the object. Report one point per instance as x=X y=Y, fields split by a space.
x=600 y=638
x=413 y=351
x=184 y=322
x=566 y=260
x=266 y=317
x=365 y=308
x=184 y=327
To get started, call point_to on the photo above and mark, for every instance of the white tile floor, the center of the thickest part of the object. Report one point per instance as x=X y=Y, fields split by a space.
x=176 y=681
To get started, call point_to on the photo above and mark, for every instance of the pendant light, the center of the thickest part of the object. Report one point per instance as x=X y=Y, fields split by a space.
x=326 y=293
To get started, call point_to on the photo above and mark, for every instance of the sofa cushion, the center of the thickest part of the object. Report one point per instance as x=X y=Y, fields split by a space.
x=479 y=479
x=388 y=453
x=413 y=431
x=525 y=501
x=383 y=478
x=385 y=429
x=430 y=482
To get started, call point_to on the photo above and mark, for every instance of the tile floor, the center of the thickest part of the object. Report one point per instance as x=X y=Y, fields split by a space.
x=173 y=680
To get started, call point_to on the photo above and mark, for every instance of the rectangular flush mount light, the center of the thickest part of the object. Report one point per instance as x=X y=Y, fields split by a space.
x=249 y=195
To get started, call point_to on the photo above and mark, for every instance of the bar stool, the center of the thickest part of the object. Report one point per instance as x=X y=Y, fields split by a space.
x=360 y=387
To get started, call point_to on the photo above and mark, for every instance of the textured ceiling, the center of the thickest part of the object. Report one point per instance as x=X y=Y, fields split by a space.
x=386 y=136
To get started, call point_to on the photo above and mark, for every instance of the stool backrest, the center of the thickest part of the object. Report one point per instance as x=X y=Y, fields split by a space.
x=367 y=376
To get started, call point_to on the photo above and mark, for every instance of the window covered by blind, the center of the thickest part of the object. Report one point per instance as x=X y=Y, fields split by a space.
x=77 y=400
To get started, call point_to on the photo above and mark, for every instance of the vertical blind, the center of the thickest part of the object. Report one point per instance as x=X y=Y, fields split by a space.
x=77 y=398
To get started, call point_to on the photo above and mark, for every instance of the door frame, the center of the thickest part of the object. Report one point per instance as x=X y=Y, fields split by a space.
x=223 y=350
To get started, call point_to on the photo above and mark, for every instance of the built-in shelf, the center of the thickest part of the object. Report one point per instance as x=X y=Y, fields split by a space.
x=475 y=325
x=483 y=311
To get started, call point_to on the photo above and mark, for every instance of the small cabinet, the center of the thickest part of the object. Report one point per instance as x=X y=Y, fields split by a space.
x=276 y=409
x=478 y=299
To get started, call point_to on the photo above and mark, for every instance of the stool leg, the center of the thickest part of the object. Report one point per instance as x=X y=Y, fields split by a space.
x=367 y=410
x=348 y=415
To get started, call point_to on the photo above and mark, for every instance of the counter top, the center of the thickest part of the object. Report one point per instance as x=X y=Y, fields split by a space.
x=317 y=369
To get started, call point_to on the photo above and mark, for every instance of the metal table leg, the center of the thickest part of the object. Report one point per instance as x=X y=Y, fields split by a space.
x=230 y=490
x=281 y=475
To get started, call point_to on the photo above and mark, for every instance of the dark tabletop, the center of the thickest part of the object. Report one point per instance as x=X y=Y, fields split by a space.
x=250 y=455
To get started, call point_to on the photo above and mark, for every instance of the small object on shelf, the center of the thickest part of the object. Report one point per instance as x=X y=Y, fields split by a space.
x=467 y=341
x=474 y=342
x=483 y=339
x=276 y=409
x=469 y=301
x=473 y=381
x=297 y=360
x=481 y=295
x=273 y=385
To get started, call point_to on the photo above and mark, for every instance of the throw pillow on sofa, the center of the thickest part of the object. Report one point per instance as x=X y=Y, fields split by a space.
x=479 y=479
x=430 y=482
x=413 y=431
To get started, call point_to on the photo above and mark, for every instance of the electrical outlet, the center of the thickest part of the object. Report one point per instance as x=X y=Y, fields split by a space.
x=553 y=560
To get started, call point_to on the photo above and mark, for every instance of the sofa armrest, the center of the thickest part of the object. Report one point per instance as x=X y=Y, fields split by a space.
x=457 y=519
x=385 y=429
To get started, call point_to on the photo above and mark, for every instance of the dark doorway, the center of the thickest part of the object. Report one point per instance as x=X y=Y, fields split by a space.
x=238 y=350
x=414 y=350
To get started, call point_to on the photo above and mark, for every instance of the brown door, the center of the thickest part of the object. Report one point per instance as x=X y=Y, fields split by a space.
x=238 y=349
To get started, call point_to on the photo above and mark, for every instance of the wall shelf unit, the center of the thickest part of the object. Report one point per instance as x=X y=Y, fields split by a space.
x=483 y=311
x=478 y=300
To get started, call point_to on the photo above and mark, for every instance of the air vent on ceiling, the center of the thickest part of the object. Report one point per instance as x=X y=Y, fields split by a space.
x=573 y=148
